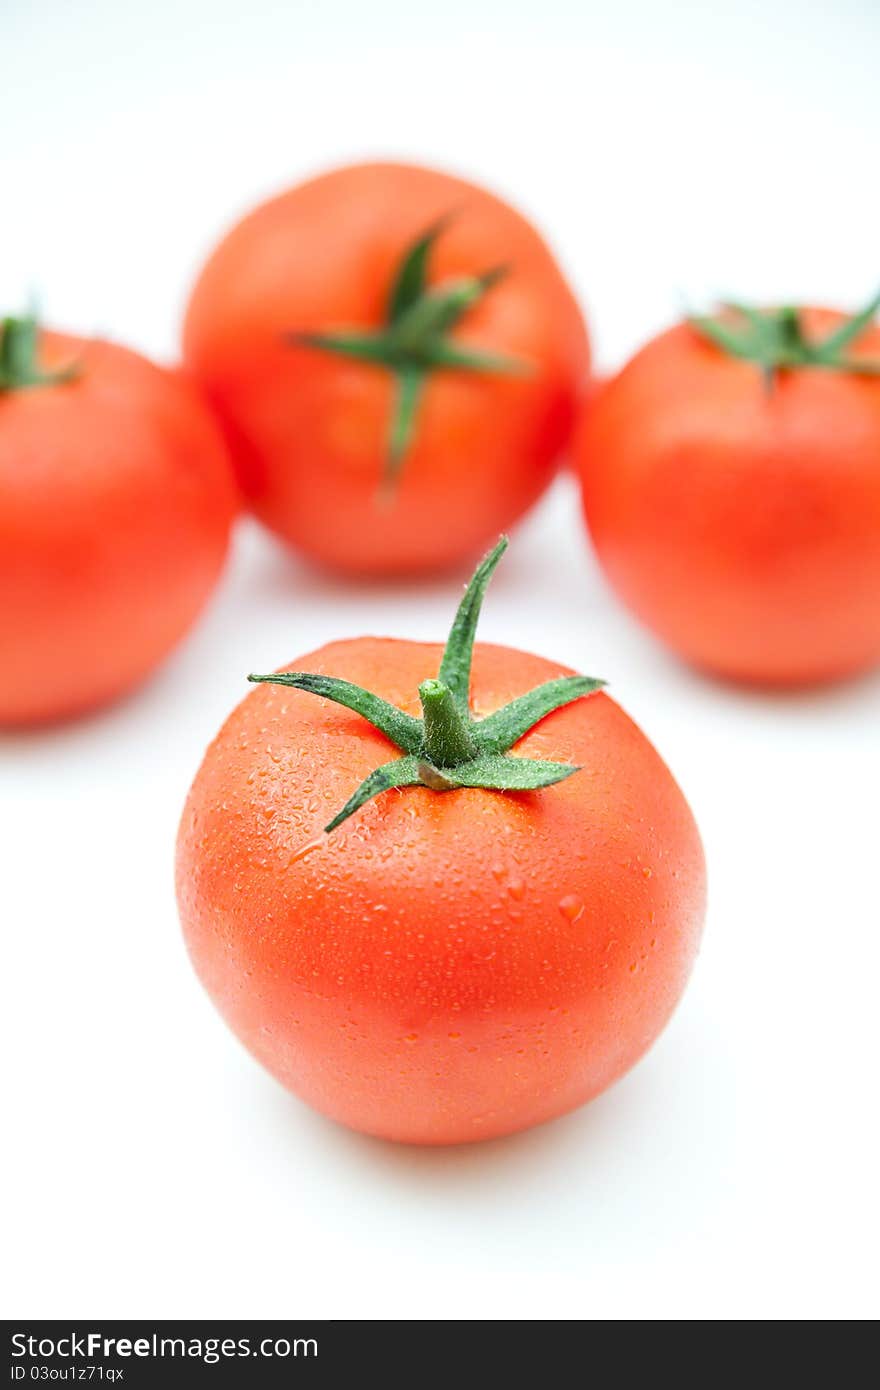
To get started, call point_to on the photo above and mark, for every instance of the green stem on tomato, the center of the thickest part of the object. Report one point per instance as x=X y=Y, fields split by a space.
x=415 y=341
x=446 y=739
x=775 y=341
x=19 y=357
x=448 y=748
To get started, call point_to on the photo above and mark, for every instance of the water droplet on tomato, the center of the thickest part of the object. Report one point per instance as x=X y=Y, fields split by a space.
x=571 y=907
x=306 y=849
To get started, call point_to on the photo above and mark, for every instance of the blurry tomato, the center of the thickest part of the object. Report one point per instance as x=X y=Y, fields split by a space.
x=116 y=499
x=396 y=358
x=731 y=483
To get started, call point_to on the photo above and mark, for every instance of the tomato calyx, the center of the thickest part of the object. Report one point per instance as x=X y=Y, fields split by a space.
x=19 y=357
x=415 y=341
x=448 y=748
x=774 y=339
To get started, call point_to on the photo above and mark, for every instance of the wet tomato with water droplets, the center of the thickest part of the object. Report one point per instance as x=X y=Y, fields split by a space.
x=442 y=966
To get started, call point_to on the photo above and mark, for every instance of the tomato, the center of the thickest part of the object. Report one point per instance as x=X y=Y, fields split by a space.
x=458 y=956
x=396 y=358
x=116 y=499
x=731 y=484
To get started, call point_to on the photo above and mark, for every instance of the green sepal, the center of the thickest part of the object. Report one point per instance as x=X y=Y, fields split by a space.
x=430 y=318
x=854 y=366
x=496 y=772
x=849 y=331
x=754 y=315
x=721 y=336
x=354 y=343
x=409 y=385
x=403 y=772
x=465 y=359
x=403 y=730
x=455 y=668
x=412 y=274
x=448 y=748
x=507 y=726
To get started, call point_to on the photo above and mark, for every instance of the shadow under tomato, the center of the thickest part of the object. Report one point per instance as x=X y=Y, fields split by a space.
x=619 y=1177
x=600 y=1123
x=280 y=572
x=620 y=1121
x=810 y=704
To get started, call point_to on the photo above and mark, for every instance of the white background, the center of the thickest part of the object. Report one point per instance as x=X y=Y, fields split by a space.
x=669 y=151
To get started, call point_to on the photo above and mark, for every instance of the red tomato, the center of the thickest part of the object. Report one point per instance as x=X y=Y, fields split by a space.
x=116 y=498
x=446 y=965
x=317 y=416
x=735 y=502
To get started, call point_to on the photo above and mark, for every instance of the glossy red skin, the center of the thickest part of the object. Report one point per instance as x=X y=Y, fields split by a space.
x=309 y=430
x=742 y=526
x=116 y=500
x=444 y=967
